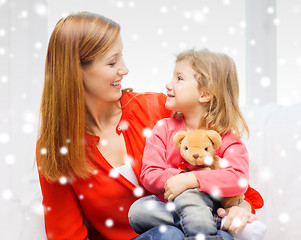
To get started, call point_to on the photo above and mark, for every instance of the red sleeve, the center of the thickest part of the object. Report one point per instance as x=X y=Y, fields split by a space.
x=254 y=199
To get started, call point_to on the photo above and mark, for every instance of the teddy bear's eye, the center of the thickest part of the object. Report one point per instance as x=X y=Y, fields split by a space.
x=206 y=149
x=186 y=148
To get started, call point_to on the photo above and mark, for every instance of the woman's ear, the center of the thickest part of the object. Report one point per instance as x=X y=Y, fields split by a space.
x=205 y=96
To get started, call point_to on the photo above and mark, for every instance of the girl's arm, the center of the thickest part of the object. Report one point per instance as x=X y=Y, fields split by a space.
x=232 y=179
x=155 y=168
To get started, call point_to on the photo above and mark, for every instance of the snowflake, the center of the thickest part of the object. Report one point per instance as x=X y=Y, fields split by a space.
x=276 y=21
x=283 y=218
x=216 y=193
x=114 y=173
x=162 y=228
x=170 y=206
x=7 y=194
x=265 y=174
x=4 y=138
x=4 y=78
x=200 y=236
x=2 y=51
x=43 y=151
x=270 y=10
x=236 y=222
x=63 y=150
x=104 y=142
x=298 y=61
x=258 y=70
x=223 y=163
x=243 y=182
x=265 y=82
x=232 y=30
x=131 y=4
x=81 y=197
x=163 y=9
x=147 y=132
x=10 y=159
x=63 y=180
x=119 y=4
x=109 y=223
x=138 y=191
x=135 y=37
x=252 y=42
x=124 y=125
x=2 y=33
x=208 y=160
x=27 y=128
x=40 y=9
x=38 y=208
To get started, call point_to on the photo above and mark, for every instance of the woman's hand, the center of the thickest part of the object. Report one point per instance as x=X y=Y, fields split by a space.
x=177 y=184
x=237 y=217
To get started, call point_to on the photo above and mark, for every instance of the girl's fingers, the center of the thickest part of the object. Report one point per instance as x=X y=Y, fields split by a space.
x=222 y=212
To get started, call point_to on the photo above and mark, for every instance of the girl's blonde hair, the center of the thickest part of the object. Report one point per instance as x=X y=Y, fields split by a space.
x=218 y=75
x=76 y=40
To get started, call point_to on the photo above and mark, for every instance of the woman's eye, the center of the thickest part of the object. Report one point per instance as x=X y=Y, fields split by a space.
x=180 y=78
x=186 y=148
x=206 y=149
x=112 y=64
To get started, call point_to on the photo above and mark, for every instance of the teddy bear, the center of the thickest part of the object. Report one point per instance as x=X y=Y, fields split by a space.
x=198 y=148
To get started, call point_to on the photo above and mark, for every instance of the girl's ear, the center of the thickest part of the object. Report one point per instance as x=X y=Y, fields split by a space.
x=205 y=97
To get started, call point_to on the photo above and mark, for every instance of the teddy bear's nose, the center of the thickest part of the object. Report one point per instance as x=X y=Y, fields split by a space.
x=195 y=155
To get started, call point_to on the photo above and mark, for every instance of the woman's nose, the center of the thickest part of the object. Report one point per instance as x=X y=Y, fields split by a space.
x=123 y=70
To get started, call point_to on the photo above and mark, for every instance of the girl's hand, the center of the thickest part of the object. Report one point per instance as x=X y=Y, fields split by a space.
x=237 y=217
x=177 y=184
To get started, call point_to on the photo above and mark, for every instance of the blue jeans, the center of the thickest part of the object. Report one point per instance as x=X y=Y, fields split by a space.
x=163 y=232
x=149 y=212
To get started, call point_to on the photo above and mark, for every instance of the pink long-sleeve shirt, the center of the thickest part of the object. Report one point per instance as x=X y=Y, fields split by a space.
x=162 y=160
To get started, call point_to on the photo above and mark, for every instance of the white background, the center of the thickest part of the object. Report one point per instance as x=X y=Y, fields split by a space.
x=152 y=32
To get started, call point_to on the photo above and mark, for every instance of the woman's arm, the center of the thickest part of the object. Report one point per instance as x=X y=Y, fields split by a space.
x=238 y=217
x=63 y=216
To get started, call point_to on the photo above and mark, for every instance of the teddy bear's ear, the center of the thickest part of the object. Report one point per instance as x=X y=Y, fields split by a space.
x=215 y=138
x=178 y=138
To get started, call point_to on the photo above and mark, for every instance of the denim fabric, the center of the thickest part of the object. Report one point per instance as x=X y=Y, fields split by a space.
x=149 y=212
x=194 y=213
x=162 y=232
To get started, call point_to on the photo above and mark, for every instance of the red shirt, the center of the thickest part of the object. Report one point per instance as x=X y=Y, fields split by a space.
x=104 y=199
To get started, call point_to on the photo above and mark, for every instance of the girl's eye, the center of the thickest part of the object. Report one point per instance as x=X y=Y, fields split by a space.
x=112 y=64
x=206 y=149
x=186 y=148
x=180 y=78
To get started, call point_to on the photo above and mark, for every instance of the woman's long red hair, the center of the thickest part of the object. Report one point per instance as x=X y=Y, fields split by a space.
x=76 y=40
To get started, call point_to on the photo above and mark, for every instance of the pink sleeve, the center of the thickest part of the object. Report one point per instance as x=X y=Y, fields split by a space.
x=231 y=180
x=155 y=170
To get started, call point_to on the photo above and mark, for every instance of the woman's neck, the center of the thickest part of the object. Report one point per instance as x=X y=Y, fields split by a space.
x=102 y=114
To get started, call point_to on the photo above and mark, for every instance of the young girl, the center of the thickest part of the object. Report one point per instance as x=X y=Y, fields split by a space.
x=203 y=94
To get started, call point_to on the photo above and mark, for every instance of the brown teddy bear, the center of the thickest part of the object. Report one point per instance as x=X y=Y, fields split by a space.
x=198 y=149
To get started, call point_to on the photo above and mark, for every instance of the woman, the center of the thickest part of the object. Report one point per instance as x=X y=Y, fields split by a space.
x=92 y=135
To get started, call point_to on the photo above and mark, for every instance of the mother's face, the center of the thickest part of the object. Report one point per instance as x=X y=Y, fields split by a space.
x=102 y=77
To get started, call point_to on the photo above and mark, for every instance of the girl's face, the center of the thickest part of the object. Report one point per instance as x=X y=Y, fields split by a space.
x=102 y=78
x=183 y=93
